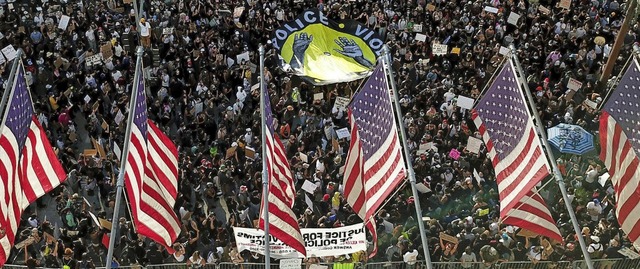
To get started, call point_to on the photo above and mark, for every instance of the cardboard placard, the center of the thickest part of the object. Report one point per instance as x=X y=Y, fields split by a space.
x=473 y=145
x=230 y=152
x=105 y=223
x=90 y=152
x=465 y=102
x=25 y=243
x=513 y=18
x=448 y=238
x=421 y=37
x=574 y=84
x=431 y=7
x=568 y=95
x=250 y=153
x=566 y=4
x=106 y=51
x=590 y=103
x=422 y=188
x=455 y=51
x=439 y=49
x=187 y=216
x=343 y=133
x=526 y=233
x=309 y=187
x=544 y=10
x=603 y=179
x=317 y=266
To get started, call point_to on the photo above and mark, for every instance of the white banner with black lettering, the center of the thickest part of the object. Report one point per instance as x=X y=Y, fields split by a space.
x=318 y=241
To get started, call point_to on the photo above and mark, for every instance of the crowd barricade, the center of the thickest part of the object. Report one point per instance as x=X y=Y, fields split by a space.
x=598 y=264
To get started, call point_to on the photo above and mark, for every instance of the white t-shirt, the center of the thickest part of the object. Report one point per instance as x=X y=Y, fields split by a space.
x=144 y=29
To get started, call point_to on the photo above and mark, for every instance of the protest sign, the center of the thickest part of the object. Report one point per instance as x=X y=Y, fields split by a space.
x=439 y=49
x=320 y=242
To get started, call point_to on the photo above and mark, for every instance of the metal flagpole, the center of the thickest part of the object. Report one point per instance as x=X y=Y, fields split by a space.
x=14 y=69
x=552 y=159
x=123 y=163
x=265 y=178
x=386 y=61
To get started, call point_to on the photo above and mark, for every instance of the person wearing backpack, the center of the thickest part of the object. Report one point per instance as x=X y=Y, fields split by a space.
x=595 y=249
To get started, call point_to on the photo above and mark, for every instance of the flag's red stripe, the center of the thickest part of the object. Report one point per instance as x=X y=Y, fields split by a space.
x=376 y=204
x=633 y=200
x=162 y=159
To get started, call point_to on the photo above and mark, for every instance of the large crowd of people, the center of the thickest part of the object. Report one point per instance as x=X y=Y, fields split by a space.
x=210 y=108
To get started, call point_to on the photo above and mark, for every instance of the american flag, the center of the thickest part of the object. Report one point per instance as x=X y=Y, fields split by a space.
x=29 y=168
x=151 y=173
x=283 y=223
x=532 y=213
x=513 y=146
x=374 y=166
x=620 y=148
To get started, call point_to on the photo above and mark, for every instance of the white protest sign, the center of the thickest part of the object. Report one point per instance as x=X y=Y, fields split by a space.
x=167 y=31
x=230 y=62
x=465 y=102
x=290 y=263
x=93 y=59
x=513 y=18
x=308 y=201
x=117 y=151
x=473 y=145
x=421 y=37
x=309 y=187
x=603 y=179
x=64 y=22
x=317 y=266
x=320 y=242
x=119 y=117
x=417 y=27
x=1 y=35
x=341 y=102
x=9 y=52
x=629 y=253
x=574 y=84
x=422 y=188
x=491 y=9
x=439 y=49
x=504 y=50
x=590 y=103
x=242 y=57
x=318 y=96
x=343 y=133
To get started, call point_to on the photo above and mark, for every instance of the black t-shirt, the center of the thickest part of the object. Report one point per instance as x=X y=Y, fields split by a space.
x=612 y=253
x=520 y=254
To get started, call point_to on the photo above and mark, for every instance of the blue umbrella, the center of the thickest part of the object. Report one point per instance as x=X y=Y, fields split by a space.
x=572 y=139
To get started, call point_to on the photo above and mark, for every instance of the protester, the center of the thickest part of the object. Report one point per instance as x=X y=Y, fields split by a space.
x=204 y=97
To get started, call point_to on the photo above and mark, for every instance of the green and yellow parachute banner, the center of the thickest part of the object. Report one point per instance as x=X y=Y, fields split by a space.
x=325 y=51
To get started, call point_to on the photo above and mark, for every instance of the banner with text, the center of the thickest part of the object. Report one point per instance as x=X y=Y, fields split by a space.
x=318 y=241
x=324 y=51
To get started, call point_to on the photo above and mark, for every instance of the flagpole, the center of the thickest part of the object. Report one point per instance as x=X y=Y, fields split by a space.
x=123 y=162
x=386 y=61
x=265 y=179
x=14 y=69
x=552 y=159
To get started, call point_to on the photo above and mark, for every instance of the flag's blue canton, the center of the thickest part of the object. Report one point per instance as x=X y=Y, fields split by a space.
x=267 y=113
x=372 y=110
x=140 y=113
x=624 y=106
x=504 y=113
x=20 y=111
